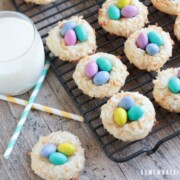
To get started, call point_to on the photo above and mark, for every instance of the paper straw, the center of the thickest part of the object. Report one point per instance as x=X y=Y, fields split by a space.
x=26 y=112
x=42 y=108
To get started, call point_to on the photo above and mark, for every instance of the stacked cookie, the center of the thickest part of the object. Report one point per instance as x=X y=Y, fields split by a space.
x=149 y=48
x=128 y=116
x=100 y=75
x=122 y=17
x=171 y=7
x=167 y=89
x=72 y=39
x=58 y=156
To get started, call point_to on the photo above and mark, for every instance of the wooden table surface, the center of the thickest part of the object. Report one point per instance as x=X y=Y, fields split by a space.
x=97 y=166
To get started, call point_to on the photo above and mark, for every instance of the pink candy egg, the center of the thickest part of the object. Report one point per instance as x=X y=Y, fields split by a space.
x=129 y=11
x=142 y=40
x=91 y=69
x=70 y=38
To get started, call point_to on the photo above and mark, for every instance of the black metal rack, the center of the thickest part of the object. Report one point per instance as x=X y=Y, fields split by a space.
x=46 y=17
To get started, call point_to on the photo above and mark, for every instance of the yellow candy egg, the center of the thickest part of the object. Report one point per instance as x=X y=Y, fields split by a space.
x=122 y=3
x=67 y=149
x=120 y=116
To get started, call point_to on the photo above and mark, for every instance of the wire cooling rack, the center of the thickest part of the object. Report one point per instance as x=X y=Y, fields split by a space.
x=168 y=124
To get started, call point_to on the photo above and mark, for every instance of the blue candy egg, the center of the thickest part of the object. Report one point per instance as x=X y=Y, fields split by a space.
x=81 y=33
x=155 y=37
x=126 y=102
x=58 y=158
x=47 y=150
x=135 y=113
x=67 y=26
x=174 y=85
x=114 y=12
x=152 y=49
x=101 y=78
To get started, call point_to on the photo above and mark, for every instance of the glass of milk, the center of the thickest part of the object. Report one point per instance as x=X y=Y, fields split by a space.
x=21 y=53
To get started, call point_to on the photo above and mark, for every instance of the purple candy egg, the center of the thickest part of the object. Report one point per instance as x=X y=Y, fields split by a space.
x=70 y=38
x=142 y=40
x=129 y=11
x=178 y=73
x=91 y=69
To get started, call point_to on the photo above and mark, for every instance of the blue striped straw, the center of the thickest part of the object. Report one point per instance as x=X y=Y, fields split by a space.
x=26 y=111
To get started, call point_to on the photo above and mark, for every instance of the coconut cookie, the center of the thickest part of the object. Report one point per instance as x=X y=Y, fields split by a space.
x=149 y=48
x=122 y=17
x=40 y=1
x=128 y=116
x=100 y=75
x=167 y=6
x=177 y=27
x=58 y=156
x=72 y=39
x=167 y=89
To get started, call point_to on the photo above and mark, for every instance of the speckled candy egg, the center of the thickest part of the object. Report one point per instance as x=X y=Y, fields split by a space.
x=91 y=69
x=81 y=32
x=135 y=113
x=101 y=78
x=152 y=49
x=129 y=11
x=104 y=64
x=58 y=158
x=114 y=12
x=67 y=149
x=67 y=26
x=142 y=40
x=123 y=3
x=47 y=150
x=120 y=116
x=174 y=85
x=70 y=38
x=126 y=102
x=155 y=37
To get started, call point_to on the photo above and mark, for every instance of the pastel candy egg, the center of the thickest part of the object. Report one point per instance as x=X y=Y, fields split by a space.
x=101 y=78
x=67 y=26
x=91 y=69
x=114 y=12
x=174 y=85
x=135 y=113
x=47 y=150
x=155 y=38
x=142 y=40
x=126 y=102
x=123 y=3
x=129 y=11
x=58 y=158
x=178 y=75
x=152 y=49
x=81 y=33
x=67 y=149
x=120 y=116
x=70 y=38
x=104 y=64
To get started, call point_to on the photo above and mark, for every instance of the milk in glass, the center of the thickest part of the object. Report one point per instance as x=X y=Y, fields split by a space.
x=21 y=53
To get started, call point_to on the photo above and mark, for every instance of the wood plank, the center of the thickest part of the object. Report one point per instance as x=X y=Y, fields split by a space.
x=8 y=122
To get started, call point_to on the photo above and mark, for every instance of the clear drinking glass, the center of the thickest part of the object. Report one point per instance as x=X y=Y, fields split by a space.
x=21 y=53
